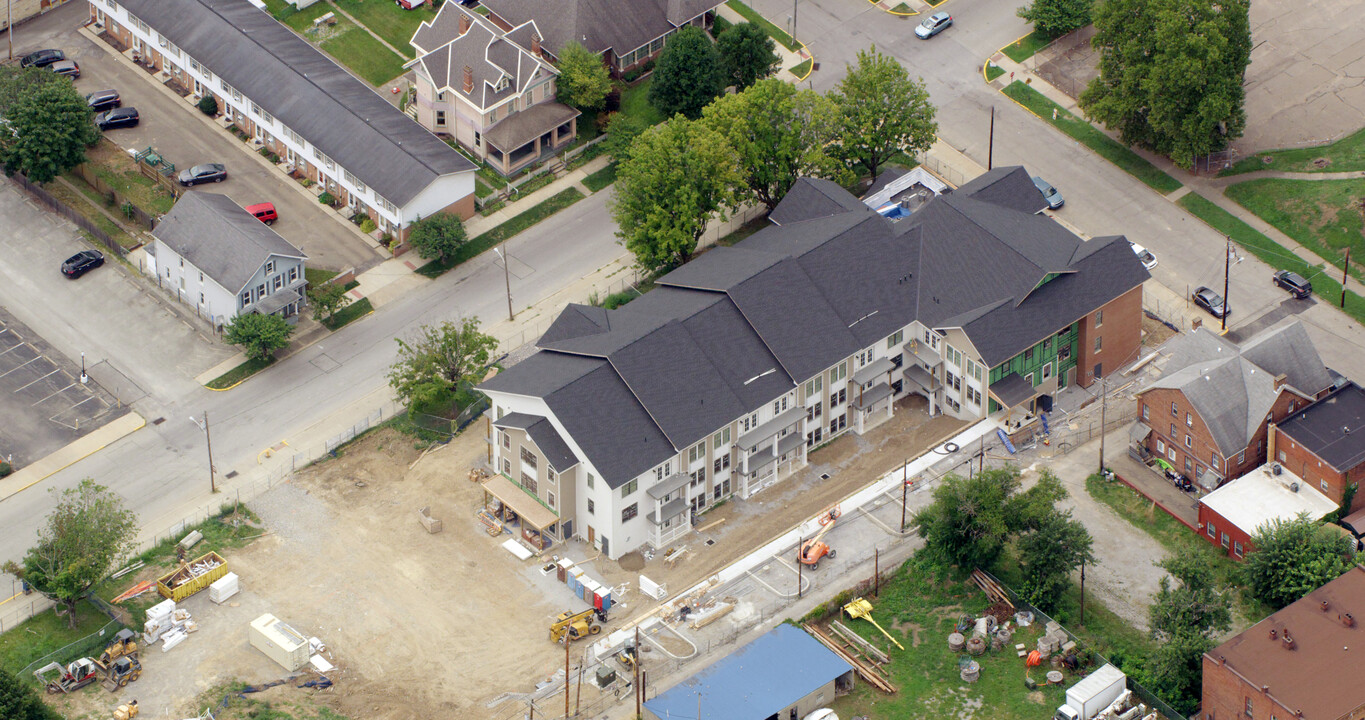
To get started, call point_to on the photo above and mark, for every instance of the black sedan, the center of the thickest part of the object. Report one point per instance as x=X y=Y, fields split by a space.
x=42 y=58
x=117 y=118
x=1295 y=283
x=1211 y=301
x=82 y=263
x=102 y=100
x=208 y=172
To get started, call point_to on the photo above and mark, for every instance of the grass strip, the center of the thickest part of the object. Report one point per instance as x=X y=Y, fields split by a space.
x=774 y=31
x=488 y=240
x=1272 y=253
x=44 y=633
x=599 y=180
x=1025 y=47
x=1082 y=131
x=993 y=71
x=1321 y=215
x=1344 y=155
x=801 y=70
x=389 y=21
x=239 y=374
x=356 y=310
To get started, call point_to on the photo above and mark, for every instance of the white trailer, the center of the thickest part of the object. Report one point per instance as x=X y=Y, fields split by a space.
x=1092 y=694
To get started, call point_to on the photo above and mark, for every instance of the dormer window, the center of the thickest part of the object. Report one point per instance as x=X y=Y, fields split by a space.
x=501 y=84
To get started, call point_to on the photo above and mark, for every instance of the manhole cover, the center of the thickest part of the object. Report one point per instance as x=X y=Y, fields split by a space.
x=231 y=475
x=710 y=542
x=824 y=476
x=158 y=421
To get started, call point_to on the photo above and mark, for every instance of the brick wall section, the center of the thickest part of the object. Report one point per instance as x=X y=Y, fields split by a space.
x=1302 y=462
x=1226 y=692
x=1154 y=407
x=1223 y=531
x=1120 y=335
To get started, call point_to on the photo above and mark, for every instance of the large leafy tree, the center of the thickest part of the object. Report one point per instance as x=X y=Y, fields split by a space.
x=86 y=534
x=1292 y=558
x=971 y=520
x=436 y=360
x=259 y=336
x=747 y=53
x=18 y=701
x=882 y=112
x=1055 y=18
x=327 y=299
x=1049 y=553
x=437 y=237
x=1171 y=74
x=583 y=80
x=688 y=74
x=47 y=124
x=679 y=175
x=779 y=134
x=1185 y=618
x=621 y=133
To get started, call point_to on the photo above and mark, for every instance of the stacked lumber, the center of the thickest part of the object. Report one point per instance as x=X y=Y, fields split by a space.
x=991 y=588
x=870 y=672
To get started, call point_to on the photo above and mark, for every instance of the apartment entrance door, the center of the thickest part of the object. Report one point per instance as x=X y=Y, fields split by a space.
x=592 y=536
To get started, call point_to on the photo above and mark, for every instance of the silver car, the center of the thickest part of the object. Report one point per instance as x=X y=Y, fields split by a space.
x=933 y=25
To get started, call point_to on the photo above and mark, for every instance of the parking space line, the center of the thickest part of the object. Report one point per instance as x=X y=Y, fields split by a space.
x=20 y=344
x=18 y=367
x=59 y=392
x=54 y=372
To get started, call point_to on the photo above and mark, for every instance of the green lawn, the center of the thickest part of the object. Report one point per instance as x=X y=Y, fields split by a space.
x=993 y=71
x=773 y=31
x=120 y=172
x=1346 y=154
x=317 y=276
x=493 y=237
x=389 y=21
x=635 y=101
x=1108 y=148
x=89 y=209
x=1325 y=283
x=601 y=179
x=356 y=310
x=1322 y=215
x=347 y=42
x=45 y=633
x=1024 y=48
x=239 y=374
x=801 y=70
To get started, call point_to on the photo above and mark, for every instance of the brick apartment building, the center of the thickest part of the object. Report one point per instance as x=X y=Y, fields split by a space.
x=1301 y=663
x=1324 y=444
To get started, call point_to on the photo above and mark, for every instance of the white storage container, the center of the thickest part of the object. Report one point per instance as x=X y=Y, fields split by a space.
x=279 y=642
x=224 y=588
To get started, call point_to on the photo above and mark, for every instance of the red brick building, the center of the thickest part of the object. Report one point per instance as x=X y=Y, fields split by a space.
x=1208 y=415
x=1324 y=444
x=1305 y=662
x=1231 y=515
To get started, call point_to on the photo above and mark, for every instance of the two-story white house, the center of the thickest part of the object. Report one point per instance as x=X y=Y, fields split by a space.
x=720 y=380
x=490 y=89
x=219 y=259
x=329 y=126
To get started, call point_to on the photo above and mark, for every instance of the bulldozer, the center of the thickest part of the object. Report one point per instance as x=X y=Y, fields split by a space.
x=815 y=548
x=575 y=625
x=79 y=673
x=124 y=643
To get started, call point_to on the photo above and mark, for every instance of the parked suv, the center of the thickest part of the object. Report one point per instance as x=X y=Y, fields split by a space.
x=117 y=118
x=1050 y=194
x=102 y=100
x=68 y=68
x=265 y=212
x=42 y=58
x=81 y=263
x=1296 y=284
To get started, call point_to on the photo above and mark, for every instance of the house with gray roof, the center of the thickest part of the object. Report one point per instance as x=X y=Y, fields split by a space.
x=1324 y=443
x=323 y=122
x=626 y=33
x=493 y=90
x=219 y=259
x=1209 y=413
x=720 y=380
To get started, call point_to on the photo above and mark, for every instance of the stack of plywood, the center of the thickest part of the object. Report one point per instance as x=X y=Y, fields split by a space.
x=224 y=588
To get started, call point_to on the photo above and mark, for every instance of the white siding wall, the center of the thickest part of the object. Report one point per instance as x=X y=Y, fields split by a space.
x=194 y=288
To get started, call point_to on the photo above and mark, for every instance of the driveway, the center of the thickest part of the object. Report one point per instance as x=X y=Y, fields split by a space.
x=177 y=130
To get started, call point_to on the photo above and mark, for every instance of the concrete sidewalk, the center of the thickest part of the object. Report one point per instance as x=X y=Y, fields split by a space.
x=72 y=453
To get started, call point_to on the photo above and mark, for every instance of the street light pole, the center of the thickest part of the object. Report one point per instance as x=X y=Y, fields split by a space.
x=86 y=378
x=1227 y=268
x=794 y=20
x=208 y=440
x=507 y=277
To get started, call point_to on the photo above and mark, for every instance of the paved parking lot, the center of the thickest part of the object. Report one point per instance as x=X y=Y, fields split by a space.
x=177 y=130
x=42 y=399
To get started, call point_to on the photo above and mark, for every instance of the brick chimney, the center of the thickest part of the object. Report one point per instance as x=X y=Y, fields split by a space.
x=535 y=46
x=464 y=23
x=1280 y=380
x=468 y=79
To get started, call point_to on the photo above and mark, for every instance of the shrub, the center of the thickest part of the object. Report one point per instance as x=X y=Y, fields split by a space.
x=306 y=182
x=613 y=100
x=367 y=225
x=208 y=105
x=129 y=210
x=327 y=198
x=5 y=469
x=635 y=74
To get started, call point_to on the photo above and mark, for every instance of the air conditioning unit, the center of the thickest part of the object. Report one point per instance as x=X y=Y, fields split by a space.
x=1276 y=469
x=1294 y=487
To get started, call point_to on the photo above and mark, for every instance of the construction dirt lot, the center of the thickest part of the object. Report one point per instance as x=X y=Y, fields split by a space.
x=445 y=625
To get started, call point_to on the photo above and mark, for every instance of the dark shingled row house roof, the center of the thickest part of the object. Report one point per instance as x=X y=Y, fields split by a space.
x=599 y=25
x=739 y=326
x=333 y=110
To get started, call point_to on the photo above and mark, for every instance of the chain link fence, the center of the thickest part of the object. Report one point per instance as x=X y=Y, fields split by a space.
x=47 y=200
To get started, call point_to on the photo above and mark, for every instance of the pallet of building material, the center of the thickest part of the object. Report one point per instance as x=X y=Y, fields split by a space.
x=991 y=588
x=192 y=577
x=842 y=631
x=866 y=671
x=433 y=525
x=702 y=621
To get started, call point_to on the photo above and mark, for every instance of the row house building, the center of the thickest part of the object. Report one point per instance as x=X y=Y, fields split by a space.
x=721 y=380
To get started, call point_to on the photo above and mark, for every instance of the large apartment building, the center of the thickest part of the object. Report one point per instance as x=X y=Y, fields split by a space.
x=330 y=126
x=719 y=381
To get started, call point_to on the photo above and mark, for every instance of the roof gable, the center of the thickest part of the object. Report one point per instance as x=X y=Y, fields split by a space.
x=501 y=64
x=600 y=25
x=220 y=238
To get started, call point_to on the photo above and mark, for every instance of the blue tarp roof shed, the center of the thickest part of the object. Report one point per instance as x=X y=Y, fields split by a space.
x=756 y=681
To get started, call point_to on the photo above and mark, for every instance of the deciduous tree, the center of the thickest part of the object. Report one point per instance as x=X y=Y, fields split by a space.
x=1049 y=553
x=688 y=74
x=747 y=54
x=1171 y=74
x=679 y=175
x=1290 y=559
x=882 y=112
x=779 y=134
x=621 y=134
x=327 y=299
x=583 y=79
x=1055 y=18
x=86 y=534
x=433 y=363
x=18 y=701
x=259 y=336
x=972 y=519
x=1185 y=618
x=47 y=124
x=437 y=237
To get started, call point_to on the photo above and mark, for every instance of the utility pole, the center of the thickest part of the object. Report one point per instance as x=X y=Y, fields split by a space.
x=793 y=40
x=1345 y=270
x=9 y=26
x=905 y=487
x=1104 y=405
x=208 y=440
x=876 y=572
x=506 y=276
x=1227 y=268
x=990 y=145
x=799 y=542
x=1082 y=592
x=638 y=657
x=566 y=678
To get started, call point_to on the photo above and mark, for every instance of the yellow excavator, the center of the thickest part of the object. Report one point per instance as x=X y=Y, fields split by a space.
x=815 y=548
x=572 y=625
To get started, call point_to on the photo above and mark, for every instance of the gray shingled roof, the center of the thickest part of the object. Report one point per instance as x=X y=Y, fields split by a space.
x=220 y=238
x=813 y=198
x=739 y=326
x=1233 y=388
x=1332 y=428
x=491 y=54
x=618 y=25
x=333 y=110
x=1006 y=186
x=542 y=432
